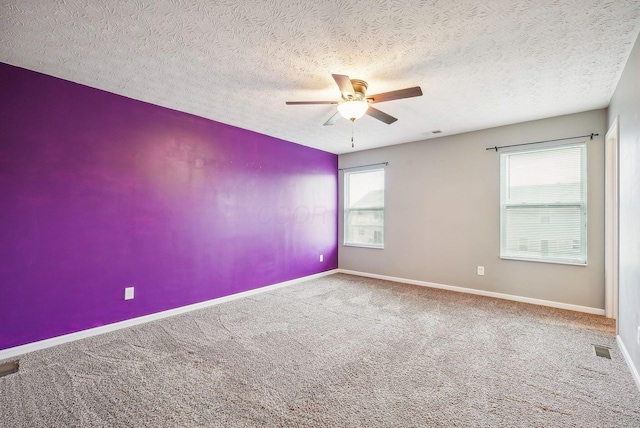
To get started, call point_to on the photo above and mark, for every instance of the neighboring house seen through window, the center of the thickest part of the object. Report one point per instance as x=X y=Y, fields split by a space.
x=543 y=204
x=364 y=208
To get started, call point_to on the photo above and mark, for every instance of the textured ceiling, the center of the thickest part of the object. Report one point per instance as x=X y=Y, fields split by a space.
x=480 y=64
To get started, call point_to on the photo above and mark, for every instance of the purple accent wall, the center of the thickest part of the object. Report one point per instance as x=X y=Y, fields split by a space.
x=99 y=192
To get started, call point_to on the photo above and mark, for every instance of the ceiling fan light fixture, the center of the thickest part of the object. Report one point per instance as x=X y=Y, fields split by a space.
x=353 y=109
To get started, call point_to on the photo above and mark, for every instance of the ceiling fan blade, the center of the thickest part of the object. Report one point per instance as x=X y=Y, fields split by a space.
x=344 y=83
x=294 y=103
x=382 y=116
x=396 y=95
x=333 y=119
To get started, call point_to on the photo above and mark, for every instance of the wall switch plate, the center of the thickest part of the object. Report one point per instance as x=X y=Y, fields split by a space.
x=480 y=270
x=321 y=257
x=128 y=293
x=638 y=338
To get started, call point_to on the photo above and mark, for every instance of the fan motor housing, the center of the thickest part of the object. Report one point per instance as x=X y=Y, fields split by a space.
x=360 y=88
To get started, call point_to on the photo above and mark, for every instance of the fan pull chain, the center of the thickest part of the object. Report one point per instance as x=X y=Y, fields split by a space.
x=352 y=144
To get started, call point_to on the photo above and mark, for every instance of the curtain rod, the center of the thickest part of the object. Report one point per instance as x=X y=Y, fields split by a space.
x=540 y=142
x=363 y=166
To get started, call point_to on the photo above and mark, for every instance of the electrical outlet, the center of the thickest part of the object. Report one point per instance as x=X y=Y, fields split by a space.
x=480 y=270
x=321 y=257
x=128 y=293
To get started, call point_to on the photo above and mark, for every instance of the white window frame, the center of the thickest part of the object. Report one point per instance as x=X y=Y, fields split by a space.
x=347 y=210
x=504 y=254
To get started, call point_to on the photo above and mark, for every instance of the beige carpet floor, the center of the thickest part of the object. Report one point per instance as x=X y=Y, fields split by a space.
x=340 y=351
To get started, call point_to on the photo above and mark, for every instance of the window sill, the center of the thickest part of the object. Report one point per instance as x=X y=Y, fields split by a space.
x=375 y=247
x=554 y=262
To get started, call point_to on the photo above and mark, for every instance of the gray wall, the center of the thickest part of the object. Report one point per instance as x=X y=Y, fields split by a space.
x=442 y=214
x=625 y=104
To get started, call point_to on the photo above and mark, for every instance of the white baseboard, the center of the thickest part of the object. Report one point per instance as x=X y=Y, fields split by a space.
x=577 y=308
x=627 y=358
x=47 y=343
x=59 y=340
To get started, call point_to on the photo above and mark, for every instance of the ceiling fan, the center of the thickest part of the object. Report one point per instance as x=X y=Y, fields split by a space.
x=355 y=103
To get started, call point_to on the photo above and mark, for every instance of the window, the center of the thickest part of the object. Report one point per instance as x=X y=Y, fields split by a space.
x=543 y=204
x=364 y=208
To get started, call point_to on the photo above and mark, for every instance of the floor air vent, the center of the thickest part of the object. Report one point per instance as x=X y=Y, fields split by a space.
x=602 y=351
x=8 y=368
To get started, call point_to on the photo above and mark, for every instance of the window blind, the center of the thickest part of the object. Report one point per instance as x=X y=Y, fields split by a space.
x=543 y=204
x=364 y=208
